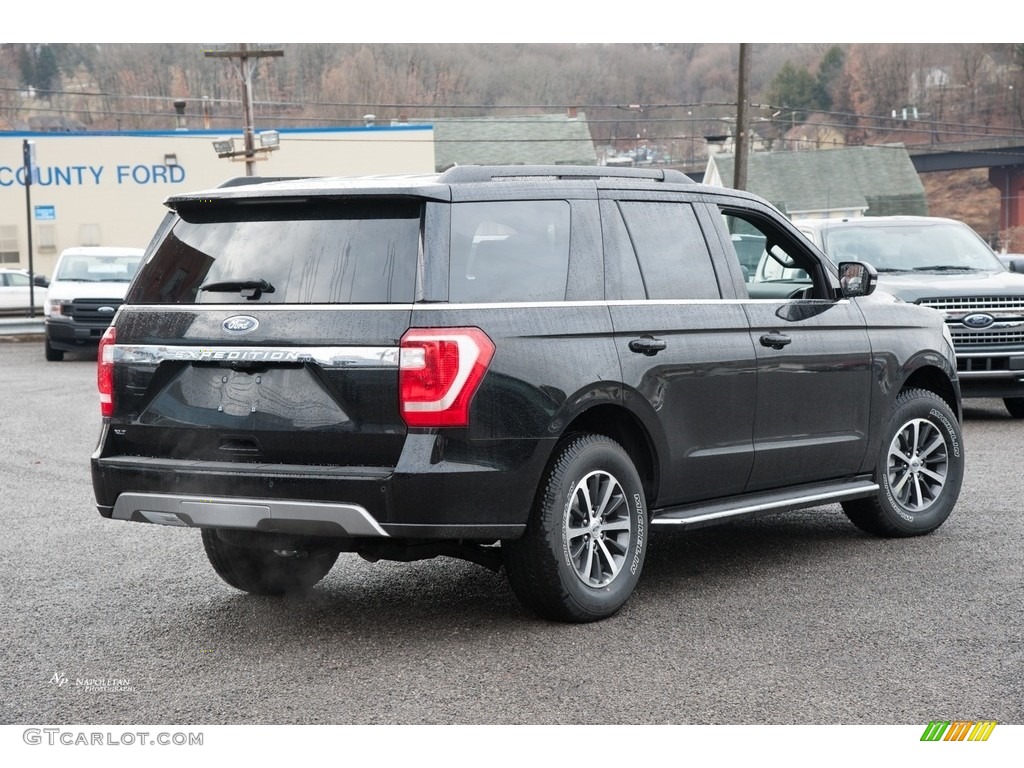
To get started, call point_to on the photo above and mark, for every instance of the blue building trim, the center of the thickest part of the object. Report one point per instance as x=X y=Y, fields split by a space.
x=220 y=132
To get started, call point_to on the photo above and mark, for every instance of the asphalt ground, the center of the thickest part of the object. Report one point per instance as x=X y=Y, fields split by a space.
x=793 y=618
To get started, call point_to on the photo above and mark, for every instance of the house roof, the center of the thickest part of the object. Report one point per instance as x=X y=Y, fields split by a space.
x=533 y=139
x=880 y=179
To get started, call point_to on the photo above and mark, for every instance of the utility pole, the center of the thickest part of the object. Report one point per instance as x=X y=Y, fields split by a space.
x=28 y=149
x=243 y=54
x=740 y=166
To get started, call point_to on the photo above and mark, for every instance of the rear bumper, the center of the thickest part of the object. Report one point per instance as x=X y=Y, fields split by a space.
x=424 y=497
x=349 y=520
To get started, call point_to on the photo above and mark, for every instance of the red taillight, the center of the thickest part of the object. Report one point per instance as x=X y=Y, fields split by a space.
x=105 y=372
x=439 y=373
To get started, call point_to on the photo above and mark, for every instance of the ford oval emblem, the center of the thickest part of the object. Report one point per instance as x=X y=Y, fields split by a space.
x=105 y=310
x=240 y=324
x=978 y=320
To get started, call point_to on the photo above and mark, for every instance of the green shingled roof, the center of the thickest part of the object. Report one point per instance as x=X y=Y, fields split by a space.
x=540 y=139
x=881 y=179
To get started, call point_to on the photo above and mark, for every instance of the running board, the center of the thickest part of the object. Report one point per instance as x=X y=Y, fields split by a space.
x=708 y=512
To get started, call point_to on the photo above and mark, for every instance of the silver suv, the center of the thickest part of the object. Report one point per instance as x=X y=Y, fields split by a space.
x=943 y=264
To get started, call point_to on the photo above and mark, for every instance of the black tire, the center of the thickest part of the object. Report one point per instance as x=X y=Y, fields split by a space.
x=53 y=355
x=580 y=562
x=264 y=571
x=1015 y=406
x=920 y=469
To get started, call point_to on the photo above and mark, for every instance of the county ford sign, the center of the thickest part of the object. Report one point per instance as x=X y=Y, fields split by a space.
x=92 y=175
x=109 y=188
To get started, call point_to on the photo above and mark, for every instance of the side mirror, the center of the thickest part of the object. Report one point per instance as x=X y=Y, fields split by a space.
x=40 y=280
x=1015 y=265
x=856 y=279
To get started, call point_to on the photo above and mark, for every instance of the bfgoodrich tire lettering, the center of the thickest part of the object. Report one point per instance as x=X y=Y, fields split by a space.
x=584 y=547
x=263 y=571
x=920 y=469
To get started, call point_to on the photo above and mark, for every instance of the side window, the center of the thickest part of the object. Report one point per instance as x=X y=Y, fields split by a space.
x=773 y=264
x=509 y=251
x=671 y=250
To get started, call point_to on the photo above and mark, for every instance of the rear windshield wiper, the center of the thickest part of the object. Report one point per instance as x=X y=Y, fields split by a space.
x=251 y=289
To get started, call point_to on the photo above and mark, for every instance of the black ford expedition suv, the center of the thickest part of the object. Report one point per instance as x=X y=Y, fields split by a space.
x=526 y=367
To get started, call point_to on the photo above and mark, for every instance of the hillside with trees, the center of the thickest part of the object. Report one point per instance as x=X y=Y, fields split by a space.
x=964 y=87
x=666 y=96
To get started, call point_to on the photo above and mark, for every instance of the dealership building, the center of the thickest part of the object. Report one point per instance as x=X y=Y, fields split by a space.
x=108 y=188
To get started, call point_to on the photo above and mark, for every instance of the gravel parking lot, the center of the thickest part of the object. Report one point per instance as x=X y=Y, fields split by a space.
x=796 y=618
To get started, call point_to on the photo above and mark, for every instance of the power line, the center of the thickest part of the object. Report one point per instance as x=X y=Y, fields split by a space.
x=923 y=123
x=637 y=113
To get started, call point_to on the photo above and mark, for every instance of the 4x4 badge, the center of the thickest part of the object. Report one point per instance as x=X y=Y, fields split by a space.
x=978 y=320
x=240 y=324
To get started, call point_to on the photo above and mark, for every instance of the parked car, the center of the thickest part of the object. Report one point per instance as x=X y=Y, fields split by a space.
x=17 y=291
x=944 y=264
x=89 y=283
x=531 y=368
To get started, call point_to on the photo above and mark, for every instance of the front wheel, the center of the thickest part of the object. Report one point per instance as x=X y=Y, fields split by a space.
x=584 y=545
x=1015 y=406
x=52 y=355
x=262 y=570
x=920 y=469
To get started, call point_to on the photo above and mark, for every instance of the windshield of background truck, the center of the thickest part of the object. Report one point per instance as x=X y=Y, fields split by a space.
x=931 y=246
x=98 y=269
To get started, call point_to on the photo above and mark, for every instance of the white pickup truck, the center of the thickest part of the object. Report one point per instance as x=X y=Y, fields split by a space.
x=88 y=286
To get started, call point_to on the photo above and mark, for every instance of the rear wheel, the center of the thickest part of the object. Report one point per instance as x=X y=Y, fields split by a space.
x=584 y=546
x=262 y=570
x=920 y=469
x=1015 y=406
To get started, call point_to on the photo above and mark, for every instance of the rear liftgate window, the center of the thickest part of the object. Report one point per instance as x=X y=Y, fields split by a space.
x=361 y=252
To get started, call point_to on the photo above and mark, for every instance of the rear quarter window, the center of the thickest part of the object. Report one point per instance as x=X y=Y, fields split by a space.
x=351 y=252
x=509 y=251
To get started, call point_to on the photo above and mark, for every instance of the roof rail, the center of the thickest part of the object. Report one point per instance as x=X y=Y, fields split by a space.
x=461 y=174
